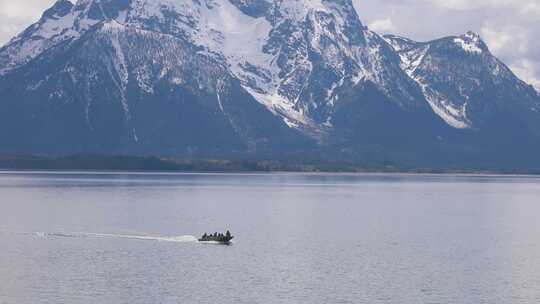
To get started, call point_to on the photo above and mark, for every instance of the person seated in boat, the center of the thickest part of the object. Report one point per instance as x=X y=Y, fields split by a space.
x=205 y=236
x=228 y=234
x=215 y=234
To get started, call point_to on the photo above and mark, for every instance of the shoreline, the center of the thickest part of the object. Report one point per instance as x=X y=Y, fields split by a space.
x=156 y=165
x=15 y=171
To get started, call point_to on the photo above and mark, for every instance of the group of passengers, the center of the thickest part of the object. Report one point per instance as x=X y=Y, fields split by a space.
x=217 y=235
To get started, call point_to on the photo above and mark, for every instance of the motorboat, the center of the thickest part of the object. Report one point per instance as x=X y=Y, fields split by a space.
x=217 y=238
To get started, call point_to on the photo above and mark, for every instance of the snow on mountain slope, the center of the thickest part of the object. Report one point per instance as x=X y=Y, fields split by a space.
x=63 y=22
x=453 y=71
x=290 y=55
x=318 y=47
x=277 y=50
x=123 y=89
x=412 y=55
x=297 y=58
x=54 y=27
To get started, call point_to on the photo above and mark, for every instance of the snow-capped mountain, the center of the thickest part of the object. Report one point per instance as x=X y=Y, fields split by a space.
x=204 y=77
x=454 y=72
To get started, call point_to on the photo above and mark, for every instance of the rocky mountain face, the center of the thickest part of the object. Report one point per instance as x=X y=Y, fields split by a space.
x=457 y=75
x=256 y=78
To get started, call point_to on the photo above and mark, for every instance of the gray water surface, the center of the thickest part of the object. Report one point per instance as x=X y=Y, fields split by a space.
x=131 y=238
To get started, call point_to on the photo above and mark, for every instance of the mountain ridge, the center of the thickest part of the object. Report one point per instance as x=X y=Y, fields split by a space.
x=259 y=76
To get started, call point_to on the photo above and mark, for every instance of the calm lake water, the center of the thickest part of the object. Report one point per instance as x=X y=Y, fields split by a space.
x=131 y=238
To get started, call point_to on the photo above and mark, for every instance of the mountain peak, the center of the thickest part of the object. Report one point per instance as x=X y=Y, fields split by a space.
x=471 y=42
x=472 y=35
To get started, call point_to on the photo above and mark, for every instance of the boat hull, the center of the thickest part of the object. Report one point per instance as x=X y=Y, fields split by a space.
x=225 y=240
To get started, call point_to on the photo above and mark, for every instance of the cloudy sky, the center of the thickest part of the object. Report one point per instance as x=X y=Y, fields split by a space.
x=508 y=26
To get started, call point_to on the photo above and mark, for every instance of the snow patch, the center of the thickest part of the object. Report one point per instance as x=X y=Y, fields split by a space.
x=456 y=118
x=282 y=107
x=241 y=38
x=119 y=63
x=469 y=46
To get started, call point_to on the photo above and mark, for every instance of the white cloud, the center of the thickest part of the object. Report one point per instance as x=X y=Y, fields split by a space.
x=506 y=40
x=527 y=71
x=382 y=25
x=26 y=9
x=524 y=6
x=471 y=5
x=532 y=8
x=497 y=40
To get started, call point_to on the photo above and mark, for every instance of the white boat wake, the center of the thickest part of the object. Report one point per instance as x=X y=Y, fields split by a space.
x=175 y=239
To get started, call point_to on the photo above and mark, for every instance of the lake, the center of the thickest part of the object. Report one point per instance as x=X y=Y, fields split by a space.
x=299 y=238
